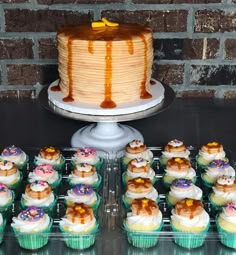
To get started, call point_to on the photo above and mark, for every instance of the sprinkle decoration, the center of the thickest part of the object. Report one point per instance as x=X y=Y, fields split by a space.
x=218 y=163
x=3 y=188
x=12 y=151
x=45 y=168
x=139 y=160
x=182 y=183
x=86 y=152
x=231 y=206
x=39 y=182
x=32 y=214
x=136 y=143
x=82 y=189
x=175 y=143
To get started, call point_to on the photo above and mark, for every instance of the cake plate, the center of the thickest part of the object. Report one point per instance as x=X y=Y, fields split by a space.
x=106 y=133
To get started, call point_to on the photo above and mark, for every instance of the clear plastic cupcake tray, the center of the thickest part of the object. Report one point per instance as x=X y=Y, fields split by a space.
x=111 y=237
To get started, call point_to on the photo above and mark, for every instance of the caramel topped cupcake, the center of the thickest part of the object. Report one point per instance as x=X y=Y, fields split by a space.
x=9 y=174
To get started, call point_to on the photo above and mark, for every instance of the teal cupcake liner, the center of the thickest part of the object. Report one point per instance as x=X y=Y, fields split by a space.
x=127 y=205
x=215 y=207
x=94 y=185
x=6 y=209
x=58 y=167
x=205 y=182
x=98 y=165
x=124 y=181
x=79 y=241
x=32 y=241
x=189 y=239
x=226 y=238
x=143 y=239
x=2 y=228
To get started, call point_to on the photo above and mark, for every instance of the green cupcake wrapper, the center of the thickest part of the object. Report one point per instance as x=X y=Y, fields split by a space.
x=226 y=238
x=127 y=205
x=143 y=239
x=200 y=166
x=79 y=241
x=125 y=182
x=94 y=185
x=216 y=208
x=6 y=209
x=2 y=227
x=58 y=167
x=32 y=241
x=98 y=165
x=16 y=184
x=189 y=239
x=205 y=182
x=55 y=184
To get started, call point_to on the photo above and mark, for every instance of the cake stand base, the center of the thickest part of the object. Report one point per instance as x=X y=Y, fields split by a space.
x=106 y=136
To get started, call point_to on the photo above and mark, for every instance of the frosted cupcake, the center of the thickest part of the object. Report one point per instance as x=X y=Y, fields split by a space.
x=136 y=149
x=7 y=197
x=79 y=226
x=45 y=172
x=182 y=188
x=15 y=155
x=9 y=174
x=139 y=188
x=84 y=173
x=50 y=155
x=190 y=223
x=87 y=155
x=138 y=167
x=177 y=168
x=208 y=152
x=143 y=223
x=82 y=193
x=39 y=193
x=215 y=169
x=223 y=192
x=31 y=227
x=226 y=225
x=174 y=149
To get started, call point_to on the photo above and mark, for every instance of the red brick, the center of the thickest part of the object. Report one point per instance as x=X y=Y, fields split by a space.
x=16 y=48
x=207 y=93
x=50 y=2
x=23 y=20
x=47 y=48
x=230 y=94
x=31 y=74
x=159 y=21
x=175 y=1
x=230 y=48
x=168 y=74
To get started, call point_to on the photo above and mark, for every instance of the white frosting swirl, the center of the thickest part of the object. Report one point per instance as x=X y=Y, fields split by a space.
x=74 y=179
x=190 y=174
x=10 y=179
x=182 y=154
x=6 y=199
x=69 y=226
x=210 y=157
x=86 y=199
x=32 y=177
x=227 y=217
x=153 y=194
x=41 y=161
x=6 y=165
x=194 y=192
x=229 y=196
x=17 y=159
x=1 y=219
x=139 y=162
x=147 y=154
x=215 y=173
x=90 y=160
x=150 y=174
x=29 y=201
x=84 y=167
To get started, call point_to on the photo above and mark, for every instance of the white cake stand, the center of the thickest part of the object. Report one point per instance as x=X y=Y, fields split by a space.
x=106 y=133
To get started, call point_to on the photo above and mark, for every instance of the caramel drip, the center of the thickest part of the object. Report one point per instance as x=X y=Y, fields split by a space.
x=108 y=103
x=144 y=94
x=90 y=47
x=81 y=215
x=182 y=208
x=147 y=208
x=130 y=47
x=56 y=88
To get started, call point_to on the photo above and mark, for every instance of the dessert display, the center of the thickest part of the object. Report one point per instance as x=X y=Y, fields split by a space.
x=7 y=197
x=138 y=167
x=177 y=168
x=190 y=223
x=174 y=149
x=215 y=169
x=50 y=155
x=143 y=223
x=136 y=149
x=82 y=193
x=2 y=227
x=45 y=172
x=84 y=173
x=81 y=224
x=182 y=188
x=209 y=152
x=31 y=227
x=223 y=192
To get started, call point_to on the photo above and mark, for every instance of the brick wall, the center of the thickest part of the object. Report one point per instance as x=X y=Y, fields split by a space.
x=195 y=41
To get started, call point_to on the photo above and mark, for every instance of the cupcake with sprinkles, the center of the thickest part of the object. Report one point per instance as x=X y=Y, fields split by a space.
x=84 y=173
x=138 y=167
x=15 y=155
x=50 y=155
x=45 y=172
x=32 y=227
x=215 y=169
x=79 y=226
x=7 y=197
x=82 y=193
x=87 y=155
x=180 y=189
x=226 y=225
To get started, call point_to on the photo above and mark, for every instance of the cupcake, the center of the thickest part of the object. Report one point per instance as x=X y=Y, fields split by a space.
x=189 y=223
x=138 y=167
x=39 y=193
x=177 y=168
x=136 y=149
x=223 y=192
x=209 y=152
x=215 y=169
x=87 y=155
x=82 y=193
x=50 y=155
x=173 y=149
x=9 y=174
x=79 y=226
x=2 y=227
x=139 y=188
x=32 y=227
x=144 y=223
x=45 y=172
x=7 y=197
x=86 y=174
x=226 y=225
x=15 y=155
x=182 y=188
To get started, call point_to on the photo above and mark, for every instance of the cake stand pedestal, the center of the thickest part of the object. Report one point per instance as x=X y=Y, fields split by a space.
x=106 y=133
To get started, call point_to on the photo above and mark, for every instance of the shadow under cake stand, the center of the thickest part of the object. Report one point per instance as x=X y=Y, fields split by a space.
x=107 y=133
